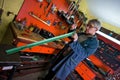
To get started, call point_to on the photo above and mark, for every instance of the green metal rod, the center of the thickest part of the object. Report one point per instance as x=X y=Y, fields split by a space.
x=14 y=50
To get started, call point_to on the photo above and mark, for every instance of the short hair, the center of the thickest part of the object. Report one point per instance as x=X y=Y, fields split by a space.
x=96 y=23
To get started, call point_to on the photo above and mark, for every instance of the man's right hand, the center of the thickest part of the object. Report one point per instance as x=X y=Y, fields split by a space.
x=73 y=27
x=75 y=37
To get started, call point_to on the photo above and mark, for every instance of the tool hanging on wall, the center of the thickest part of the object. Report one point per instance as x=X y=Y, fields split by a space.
x=36 y=17
x=14 y=50
x=1 y=11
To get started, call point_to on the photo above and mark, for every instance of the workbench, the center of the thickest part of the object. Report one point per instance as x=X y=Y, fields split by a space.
x=8 y=62
x=23 y=37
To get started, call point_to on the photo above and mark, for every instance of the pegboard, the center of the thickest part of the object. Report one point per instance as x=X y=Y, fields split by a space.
x=43 y=11
x=40 y=15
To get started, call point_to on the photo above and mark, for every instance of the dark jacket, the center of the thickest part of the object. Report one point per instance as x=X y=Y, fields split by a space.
x=81 y=50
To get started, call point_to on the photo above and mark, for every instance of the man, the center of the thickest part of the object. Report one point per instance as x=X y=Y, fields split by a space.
x=82 y=46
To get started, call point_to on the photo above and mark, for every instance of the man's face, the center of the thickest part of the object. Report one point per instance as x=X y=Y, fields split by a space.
x=91 y=29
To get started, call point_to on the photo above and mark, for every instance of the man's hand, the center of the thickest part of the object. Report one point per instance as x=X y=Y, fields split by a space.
x=75 y=37
x=73 y=27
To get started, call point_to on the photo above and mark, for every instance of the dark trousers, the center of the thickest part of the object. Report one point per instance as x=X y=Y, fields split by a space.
x=66 y=50
x=50 y=75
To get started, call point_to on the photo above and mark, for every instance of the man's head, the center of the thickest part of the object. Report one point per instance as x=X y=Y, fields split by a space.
x=93 y=26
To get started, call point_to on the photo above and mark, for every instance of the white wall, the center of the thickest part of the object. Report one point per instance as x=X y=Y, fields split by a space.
x=106 y=10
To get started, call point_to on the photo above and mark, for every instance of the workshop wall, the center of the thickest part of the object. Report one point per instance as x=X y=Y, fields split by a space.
x=45 y=18
x=14 y=6
x=84 y=8
x=8 y=6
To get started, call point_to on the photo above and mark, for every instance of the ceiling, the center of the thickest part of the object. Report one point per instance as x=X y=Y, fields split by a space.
x=106 y=10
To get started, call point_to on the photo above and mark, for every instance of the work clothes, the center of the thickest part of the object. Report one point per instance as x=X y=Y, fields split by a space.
x=81 y=50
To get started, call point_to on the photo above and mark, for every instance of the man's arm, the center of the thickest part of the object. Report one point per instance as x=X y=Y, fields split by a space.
x=87 y=49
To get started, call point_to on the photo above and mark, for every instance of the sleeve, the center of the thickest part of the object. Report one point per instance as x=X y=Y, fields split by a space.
x=87 y=50
x=92 y=47
x=69 y=32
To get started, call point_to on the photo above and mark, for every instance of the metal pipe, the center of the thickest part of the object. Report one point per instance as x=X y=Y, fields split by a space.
x=14 y=50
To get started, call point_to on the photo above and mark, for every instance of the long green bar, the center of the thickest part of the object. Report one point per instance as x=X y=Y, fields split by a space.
x=14 y=50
